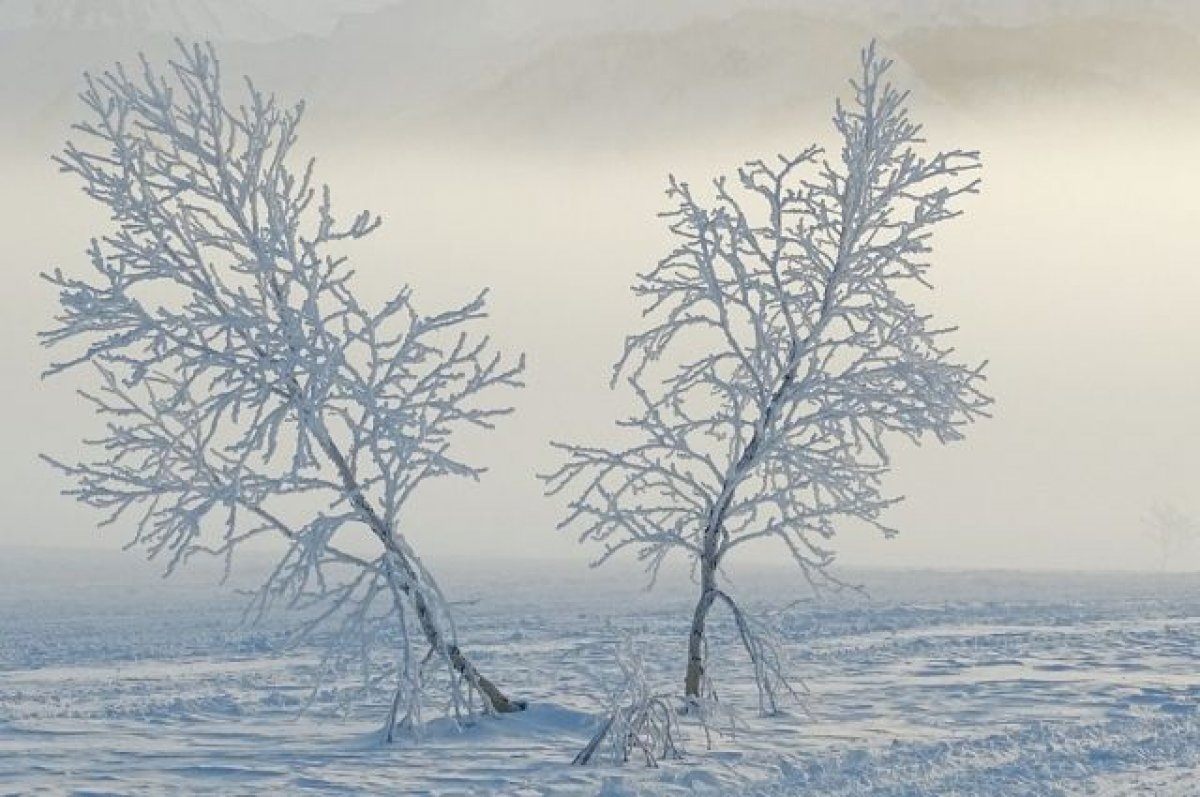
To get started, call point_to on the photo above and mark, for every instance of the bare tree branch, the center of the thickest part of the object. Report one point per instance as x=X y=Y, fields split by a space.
x=245 y=391
x=781 y=354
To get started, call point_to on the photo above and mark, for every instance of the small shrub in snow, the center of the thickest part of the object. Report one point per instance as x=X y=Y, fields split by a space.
x=639 y=721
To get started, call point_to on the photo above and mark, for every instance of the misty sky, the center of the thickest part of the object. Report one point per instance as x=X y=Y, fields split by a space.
x=525 y=146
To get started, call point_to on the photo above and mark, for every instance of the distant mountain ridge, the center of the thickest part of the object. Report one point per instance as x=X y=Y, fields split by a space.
x=267 y=20
x=622 y=73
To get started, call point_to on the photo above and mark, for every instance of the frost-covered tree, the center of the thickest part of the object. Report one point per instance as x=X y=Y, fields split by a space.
x=245 y=391
x=1172 y=530
x=781 y=357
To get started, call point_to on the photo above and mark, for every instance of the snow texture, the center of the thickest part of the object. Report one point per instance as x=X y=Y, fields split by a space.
x=946 y=684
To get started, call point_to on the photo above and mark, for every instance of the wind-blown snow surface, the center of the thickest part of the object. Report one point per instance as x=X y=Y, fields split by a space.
x=942 y=684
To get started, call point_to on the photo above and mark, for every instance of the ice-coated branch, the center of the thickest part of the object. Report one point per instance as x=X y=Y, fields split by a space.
x=245 y=390
x=782 y=351
x=638 y=720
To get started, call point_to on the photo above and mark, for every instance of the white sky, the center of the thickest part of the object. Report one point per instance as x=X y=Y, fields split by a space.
x=537 y=168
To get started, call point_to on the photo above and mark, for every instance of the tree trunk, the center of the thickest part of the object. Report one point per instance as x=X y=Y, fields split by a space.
x=694 y=681
x=712 y=552
x=495 y=701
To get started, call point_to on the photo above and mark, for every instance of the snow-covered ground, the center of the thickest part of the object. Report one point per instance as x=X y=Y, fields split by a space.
x=942 y=683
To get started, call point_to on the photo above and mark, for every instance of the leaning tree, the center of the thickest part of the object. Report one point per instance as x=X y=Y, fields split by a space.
x=781 y=356
x=245 y=391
